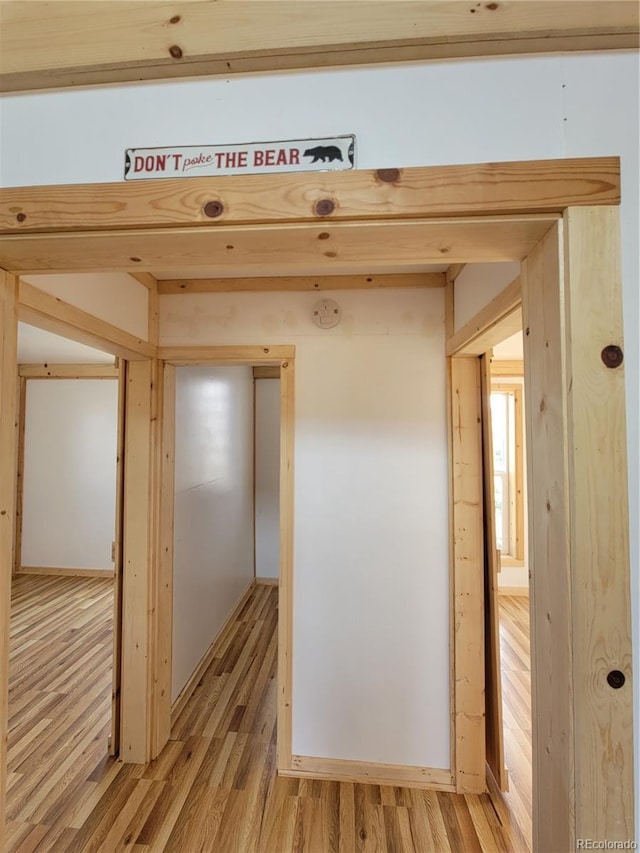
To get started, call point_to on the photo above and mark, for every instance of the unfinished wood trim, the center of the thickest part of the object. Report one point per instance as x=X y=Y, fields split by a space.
x=370 y=773
x=491 y=325
x=145 y=279
x=268 y=581
x=41 y=48
x=118 y=565
x=598 y=513
x=67 y=571
x=190 y=687
x=507 y=367
x=285 y=595
x=21 y=425
x=8 y=455
x=468 y=544
x=449 y=305
x=298 y=248
x=549 y=547
x=576 y=449
x=154 y=312
x=53 y=315
x=266 y=355
x=514 y=590
x=454 y=271
x=423 y=192
x=165 y=534
x=68 y=371
x=266 y=372
x=290 y=283
x=494 y=725
x=136 y=701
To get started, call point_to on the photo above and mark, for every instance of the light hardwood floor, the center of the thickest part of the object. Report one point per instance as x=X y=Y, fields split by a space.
x=214 y=787
x=516 y=690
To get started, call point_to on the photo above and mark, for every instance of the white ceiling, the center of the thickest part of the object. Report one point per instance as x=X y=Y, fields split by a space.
x=510 y=350
x=36 y=346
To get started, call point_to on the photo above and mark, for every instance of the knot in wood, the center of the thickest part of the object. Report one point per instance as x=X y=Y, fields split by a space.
x=612 y=356
x=324 y=207
x=388 y=176
x=213 y=209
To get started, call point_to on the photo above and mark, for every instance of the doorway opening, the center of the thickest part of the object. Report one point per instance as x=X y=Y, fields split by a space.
x=510 y=499
x=228 y=429
x=63 y=683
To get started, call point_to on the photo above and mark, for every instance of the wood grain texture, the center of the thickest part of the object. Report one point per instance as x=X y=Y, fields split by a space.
x=424 y=192
x=66 y=571
x=68 y=371
x=214 y=786
x=40 y=48
x=265 y=284
x=266 y=355
x=516 y=694
x=499 y=319
x=598 y=509
x=549 y=546
x=468 y=581
x=272 y=249
x=494 y=730
x=21 y=422
x=135 y=734
x=59 y=703
x=285 y=588
x=53 y=315
x=8 y=462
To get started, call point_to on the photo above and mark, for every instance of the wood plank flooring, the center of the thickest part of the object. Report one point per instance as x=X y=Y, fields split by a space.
x=60 y=654
x=214 y=787
x=516 y=691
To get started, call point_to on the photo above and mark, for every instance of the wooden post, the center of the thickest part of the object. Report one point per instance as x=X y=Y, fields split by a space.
x=143 y=693
x=576 y=450
x=8 y=455
x=164 y=587
x=468 y=570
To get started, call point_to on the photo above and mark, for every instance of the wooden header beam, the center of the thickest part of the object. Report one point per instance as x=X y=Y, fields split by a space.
x=293 y=283
x=40 y=47
x=536 y=186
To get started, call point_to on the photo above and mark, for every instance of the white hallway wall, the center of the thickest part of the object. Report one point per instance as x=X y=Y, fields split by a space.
x=471 y=111
x=213 y=548
x=267 y=485
x=69 y=503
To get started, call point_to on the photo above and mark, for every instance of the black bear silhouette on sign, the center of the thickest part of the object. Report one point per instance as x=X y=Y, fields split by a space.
x=322 y=153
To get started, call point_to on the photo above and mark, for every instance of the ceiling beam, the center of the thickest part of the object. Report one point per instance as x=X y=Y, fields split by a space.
x=47 y=45
x=300 y=249
x=291 y=283
x=536 y=186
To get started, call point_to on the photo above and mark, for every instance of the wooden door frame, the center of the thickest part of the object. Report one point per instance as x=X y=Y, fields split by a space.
x=515 y=206
x=281 y=357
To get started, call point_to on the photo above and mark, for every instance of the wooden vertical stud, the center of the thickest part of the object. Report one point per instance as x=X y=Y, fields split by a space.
x=578 y=535
x=8 y=454
x=164 y=587
x=468 y=566
x=597 y=470
x=285 y=600
x=136 y=702
x=21 y=424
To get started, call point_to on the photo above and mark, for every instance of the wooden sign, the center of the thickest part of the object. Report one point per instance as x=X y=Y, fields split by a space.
x=297 y=155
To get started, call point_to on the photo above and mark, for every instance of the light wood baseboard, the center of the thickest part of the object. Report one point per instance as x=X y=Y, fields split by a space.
x=514 y=590
x=341 y=770
x=63 y=570
x=190 y=686
x=268 y=581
